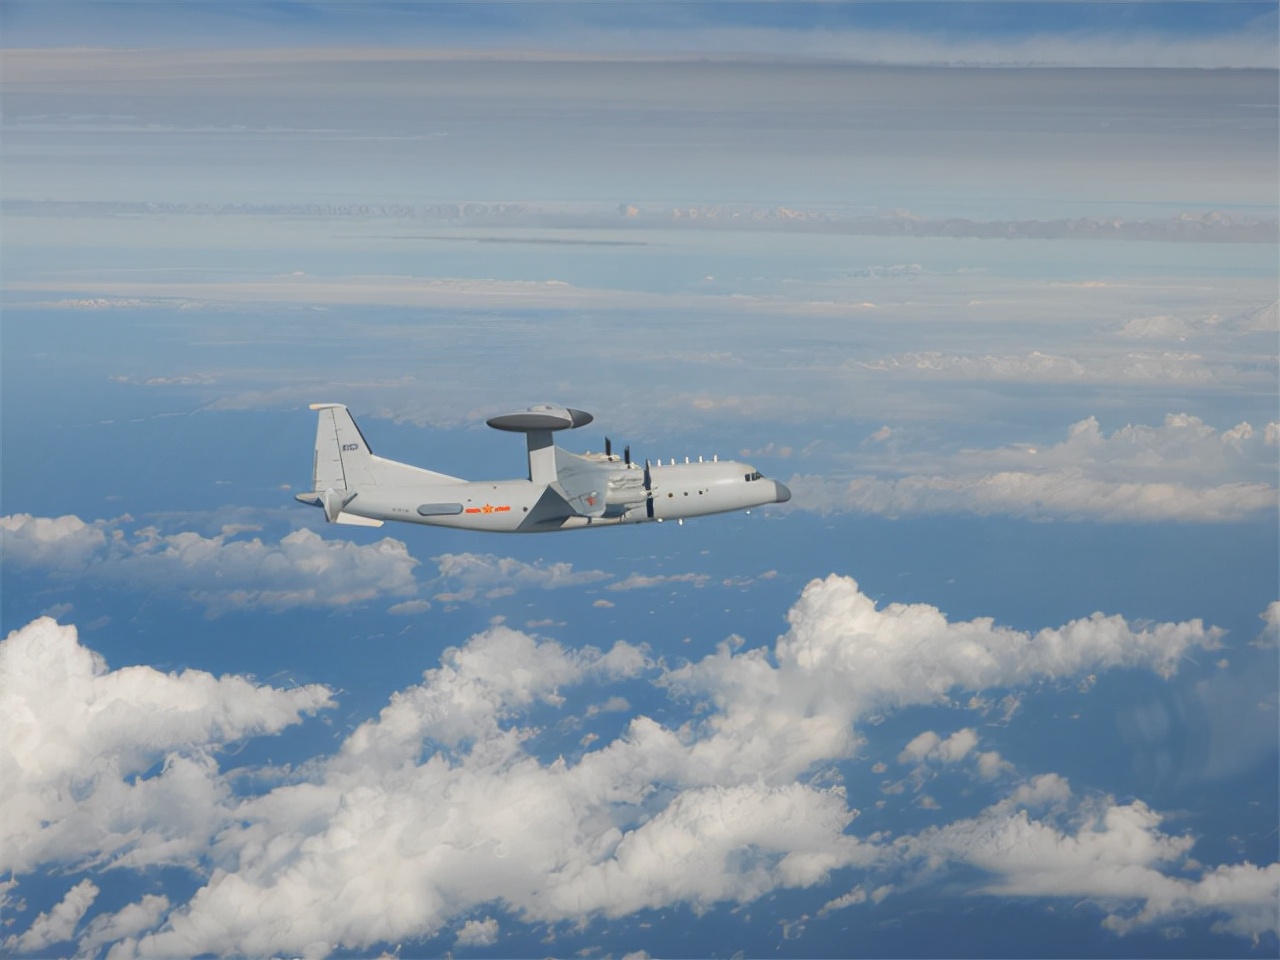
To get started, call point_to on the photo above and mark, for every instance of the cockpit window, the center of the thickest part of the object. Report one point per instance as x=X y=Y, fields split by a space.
x=754 y=475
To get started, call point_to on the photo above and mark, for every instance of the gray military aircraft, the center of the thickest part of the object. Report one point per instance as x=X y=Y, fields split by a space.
x=564 y=490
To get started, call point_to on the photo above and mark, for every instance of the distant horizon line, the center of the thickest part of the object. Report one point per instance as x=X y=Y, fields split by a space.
x=404 y=52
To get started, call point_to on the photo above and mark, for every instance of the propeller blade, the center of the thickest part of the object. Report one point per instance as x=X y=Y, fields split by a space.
x=608 y=447
x=648 y=486
x=626 y=454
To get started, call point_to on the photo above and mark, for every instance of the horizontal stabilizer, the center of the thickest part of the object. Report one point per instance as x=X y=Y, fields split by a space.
x=355 y=521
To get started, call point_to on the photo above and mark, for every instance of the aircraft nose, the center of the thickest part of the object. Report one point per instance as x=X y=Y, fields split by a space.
x=781 y=492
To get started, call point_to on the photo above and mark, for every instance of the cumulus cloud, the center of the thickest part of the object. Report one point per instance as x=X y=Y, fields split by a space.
x=441 y=805
x=1270 y=635
x=1165 y=326
x=223 y=573
x=478 y=933
x=1183 y=469
x=844 y=658
x=80 y=738
x=929 y=746
x=229 y=571
x=65 y=542
x=128 y=921
x=1102 y=850
x=59 y=924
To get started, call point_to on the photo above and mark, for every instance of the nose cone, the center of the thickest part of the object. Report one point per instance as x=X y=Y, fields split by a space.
x=781 y=494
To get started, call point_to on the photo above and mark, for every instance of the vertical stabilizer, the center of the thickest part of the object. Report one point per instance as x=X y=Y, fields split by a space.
x=343 y=459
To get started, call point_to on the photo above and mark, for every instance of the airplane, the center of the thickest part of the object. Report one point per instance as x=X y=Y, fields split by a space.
x=564 y=491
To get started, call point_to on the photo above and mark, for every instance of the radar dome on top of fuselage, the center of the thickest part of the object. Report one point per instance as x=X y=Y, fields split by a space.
x=545 y=416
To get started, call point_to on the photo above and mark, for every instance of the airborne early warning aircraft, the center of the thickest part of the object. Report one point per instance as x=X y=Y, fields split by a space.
x=564 y=490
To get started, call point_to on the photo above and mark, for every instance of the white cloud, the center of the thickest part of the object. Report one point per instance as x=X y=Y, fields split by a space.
x=855 y=896
x=1158 y=327
x=79 y=737
x=1183 y=448
x=1181 y=470
x=221 y=573
x=58 y=925
x=896 y=47
x=929 y=746
x=1270 y=635
x=65 y=542
x=228 y=572
x=843 y=658
x=1039 y=367
x=493 y=675
x=1107 y=851
x=482 y=575
x=990 y=765
x=478 y=933
x=128 y=921
x=438 y=807
x=1066 y=495
x=408 y=608
x=612 y=705
x=637 y=581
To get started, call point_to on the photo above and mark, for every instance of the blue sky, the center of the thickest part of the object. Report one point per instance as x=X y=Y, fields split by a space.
x=1114 y=34
x=1000 y=680
x=493 y=24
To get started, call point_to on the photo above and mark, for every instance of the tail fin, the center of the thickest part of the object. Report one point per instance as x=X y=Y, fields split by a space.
x=343 y=458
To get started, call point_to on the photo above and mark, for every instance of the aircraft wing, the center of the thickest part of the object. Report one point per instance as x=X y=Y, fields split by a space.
x=582 y=484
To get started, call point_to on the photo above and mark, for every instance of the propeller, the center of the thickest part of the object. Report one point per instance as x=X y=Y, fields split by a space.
x=648 y=487
x=626 y=455
x=608 y=447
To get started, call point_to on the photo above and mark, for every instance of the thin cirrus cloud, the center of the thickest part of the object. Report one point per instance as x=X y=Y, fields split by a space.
x=1183 y=469
x=1041 y=367
x=327 y=852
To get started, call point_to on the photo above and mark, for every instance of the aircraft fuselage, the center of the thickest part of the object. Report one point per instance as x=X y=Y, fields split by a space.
x=563 y=490
x=679 y=491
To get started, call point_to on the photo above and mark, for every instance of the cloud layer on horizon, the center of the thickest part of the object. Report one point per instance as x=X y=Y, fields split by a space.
x=1182 y=470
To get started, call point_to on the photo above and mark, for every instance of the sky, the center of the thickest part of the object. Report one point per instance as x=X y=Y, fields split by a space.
x=1000 y=680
